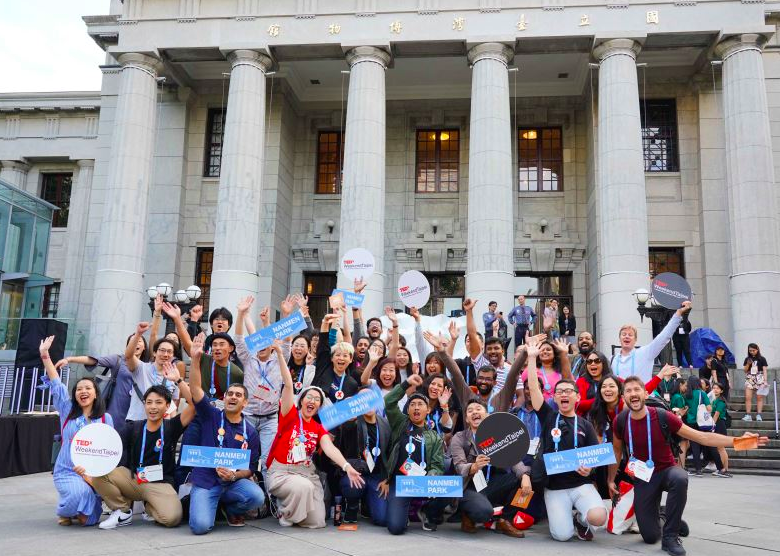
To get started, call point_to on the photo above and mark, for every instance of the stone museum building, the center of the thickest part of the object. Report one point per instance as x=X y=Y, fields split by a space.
x=562 y=149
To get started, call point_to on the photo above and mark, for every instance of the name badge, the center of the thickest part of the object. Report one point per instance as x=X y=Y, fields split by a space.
x=480 y=483
x=681 y=330
x=149 y=474
x=533 y=446
x=640 y=469
x=369 y=460
x=412 y=468
x=299 y=453
x=219 y=404
x=667 y=397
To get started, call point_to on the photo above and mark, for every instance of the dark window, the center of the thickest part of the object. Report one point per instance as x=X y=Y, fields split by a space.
x=438 y=160
x=203 y=264
x=318 y=287
x=447 y=292
x=659 y=135
x=56 y=190
x=540 y=290
x=540 y=156
x=667 y=259
x=51 y=301
x=214 y=138
x=330 y=157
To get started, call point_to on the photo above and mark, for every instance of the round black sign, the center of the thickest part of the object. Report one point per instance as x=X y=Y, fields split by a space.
x=670 y=290
x=503 y=438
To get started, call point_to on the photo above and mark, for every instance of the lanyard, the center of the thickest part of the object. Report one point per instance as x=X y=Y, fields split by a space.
x=340 y=390
x=633 y=364
x=221 y=431
x=410 y=447
x=157 y=448
x=375 y=451
x=530 y=416
x=213 y=389
x=301 y=435
x=436 y=417
x=264 y=374
x=468 y=374
x=558 y=439
x=649 y=439
x=547 y=386
x=606 y=429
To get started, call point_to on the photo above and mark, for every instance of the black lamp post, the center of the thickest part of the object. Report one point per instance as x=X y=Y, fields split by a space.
x=184 y=299
x=658 y=314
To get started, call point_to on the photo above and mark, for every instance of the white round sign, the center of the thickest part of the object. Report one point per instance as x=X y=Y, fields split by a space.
x=413 y=288
x=358 y=263
x=97 y=448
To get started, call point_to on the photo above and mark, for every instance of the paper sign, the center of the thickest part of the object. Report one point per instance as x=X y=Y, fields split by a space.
x=359 y=404
x=207 y=456
x=358 y=263
x=336 y=301
x=97 y=448
x=520 y=500
x=413 y=289
x=429 y=486
x=570 y=460
x=745 y=442
x=670 y=290
x=503 y=438
x=351 y=299
x=265 y=337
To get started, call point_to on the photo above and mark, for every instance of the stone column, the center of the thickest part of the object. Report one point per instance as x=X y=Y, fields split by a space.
x=77 y=230
x=362 y=220
x=752 y=198
x=119 y=293
x=14 y=172
x=236 y=236
x=620 y=190
x=490 y=267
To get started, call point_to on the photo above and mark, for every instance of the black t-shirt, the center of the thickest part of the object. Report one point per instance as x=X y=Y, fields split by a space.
x=760 y=361
x=468 y=370
x=132 y=437
x=403 y=455
x=586 y=436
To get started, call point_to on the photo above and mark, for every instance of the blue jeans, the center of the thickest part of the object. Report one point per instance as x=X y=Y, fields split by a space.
x=266 y=427
x=376 y=504
x=238 y=498
x=398 y=511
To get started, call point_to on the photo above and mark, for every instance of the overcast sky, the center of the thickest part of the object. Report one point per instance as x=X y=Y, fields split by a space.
x=44 y=46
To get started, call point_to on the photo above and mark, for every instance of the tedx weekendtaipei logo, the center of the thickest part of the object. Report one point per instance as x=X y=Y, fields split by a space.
x=85 y=447
x=351 y=264
x=406 y=291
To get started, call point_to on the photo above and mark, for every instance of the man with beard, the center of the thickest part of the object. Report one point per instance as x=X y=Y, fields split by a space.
x=585 y=346
x=563 y=430
x=484 y=486
x=640 y=440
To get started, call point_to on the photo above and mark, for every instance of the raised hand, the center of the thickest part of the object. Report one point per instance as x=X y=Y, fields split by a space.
x=561 y=345
x=415 y=314
x=415 y=381
x=171 y=372
x=277 y=346
x=45 y=345
x=548 y=322
x=173 y=311
x=61 y=363
x=358 y=285
x=433 y=339
x=245 y=304
x=444 y=397
x=416 y=368
x=391 y=315
x=469 y=304
x=454 y=331
x=532 y=349
x=288 y=305
x=141 y=328
x=375 y=353
x=668 y=371
x=158 y=303
x=303 y=304
x=265 y=316
x=197 y=346
x=331 y=318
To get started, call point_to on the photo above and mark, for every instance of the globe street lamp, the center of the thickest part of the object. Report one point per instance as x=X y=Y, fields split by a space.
x=184 y=299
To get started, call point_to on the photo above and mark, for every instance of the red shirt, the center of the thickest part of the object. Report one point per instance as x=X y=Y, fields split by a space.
x=662 y=452
x=288 y=431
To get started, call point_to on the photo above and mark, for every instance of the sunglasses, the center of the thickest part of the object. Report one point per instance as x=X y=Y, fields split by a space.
x=589 y=361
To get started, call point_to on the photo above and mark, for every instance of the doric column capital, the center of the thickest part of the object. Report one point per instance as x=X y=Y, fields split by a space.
x=491 y=51
x=617 y=47
x=144 y=62
x=250 y=58
x=85 y=163
x=368 y=54
x=737 y=43
x=17 y=165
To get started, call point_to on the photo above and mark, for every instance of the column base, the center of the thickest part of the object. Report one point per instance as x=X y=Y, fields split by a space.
x=617 y=306
x=228 y=287
x=117 y=308
x=490 y=285
x=755 y=309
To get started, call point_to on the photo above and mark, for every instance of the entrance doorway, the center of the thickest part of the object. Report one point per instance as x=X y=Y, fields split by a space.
x=540 y=290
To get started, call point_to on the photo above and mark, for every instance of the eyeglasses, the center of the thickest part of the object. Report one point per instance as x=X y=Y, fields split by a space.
x=589 y=361
x=165 y=351
x=568 y=391
x=312 y=397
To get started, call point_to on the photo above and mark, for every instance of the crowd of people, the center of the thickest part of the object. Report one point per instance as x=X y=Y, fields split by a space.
x=189 y=388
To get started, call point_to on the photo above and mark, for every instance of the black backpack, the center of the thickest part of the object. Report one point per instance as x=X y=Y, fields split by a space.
x=660 y=405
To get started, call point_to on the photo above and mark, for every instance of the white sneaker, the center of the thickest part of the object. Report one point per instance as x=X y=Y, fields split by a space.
x=711 y=467
x=146 y=517
x=758 y=417
x=747 y=417
x=118 y=518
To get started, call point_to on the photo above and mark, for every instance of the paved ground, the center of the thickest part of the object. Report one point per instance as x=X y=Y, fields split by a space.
x=727 y=516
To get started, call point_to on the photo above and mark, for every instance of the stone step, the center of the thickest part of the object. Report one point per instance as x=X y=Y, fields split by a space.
x=755 y=471
x=767 y=416
x=761 y=453
x=753 y=426
x=738 y=463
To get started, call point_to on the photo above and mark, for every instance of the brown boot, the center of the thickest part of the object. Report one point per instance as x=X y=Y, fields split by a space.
x=467 y=524
x=508 y=529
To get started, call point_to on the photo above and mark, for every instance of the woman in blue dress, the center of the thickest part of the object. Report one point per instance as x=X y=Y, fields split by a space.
x=77 y=500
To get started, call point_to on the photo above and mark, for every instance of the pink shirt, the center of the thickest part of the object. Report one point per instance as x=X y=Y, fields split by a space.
x=549 y=380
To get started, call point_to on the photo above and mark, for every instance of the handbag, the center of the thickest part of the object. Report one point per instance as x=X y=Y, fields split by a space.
x=703 y=416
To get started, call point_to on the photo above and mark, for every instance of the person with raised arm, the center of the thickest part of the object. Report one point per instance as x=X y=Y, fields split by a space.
x=151 y=373
x=552 y=365
x=292 y=475
x=633 y=361
x=564 y=430
x=222 y=428
x=301 y=370
x=641 y=441
x=331 y=374
x=146 y=470
x=76 y=499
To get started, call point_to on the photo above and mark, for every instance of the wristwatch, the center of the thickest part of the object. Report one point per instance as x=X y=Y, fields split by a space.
x=179 y=381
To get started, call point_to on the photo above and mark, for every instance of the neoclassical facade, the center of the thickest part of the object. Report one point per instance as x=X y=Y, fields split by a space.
x=559 y=148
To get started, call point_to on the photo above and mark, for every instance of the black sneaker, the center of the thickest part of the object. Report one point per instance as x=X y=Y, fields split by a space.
x=426 y=523
x=684 y=529
x=351 y=513
x=583 y=531
x=264 y=510
x=673 y=546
